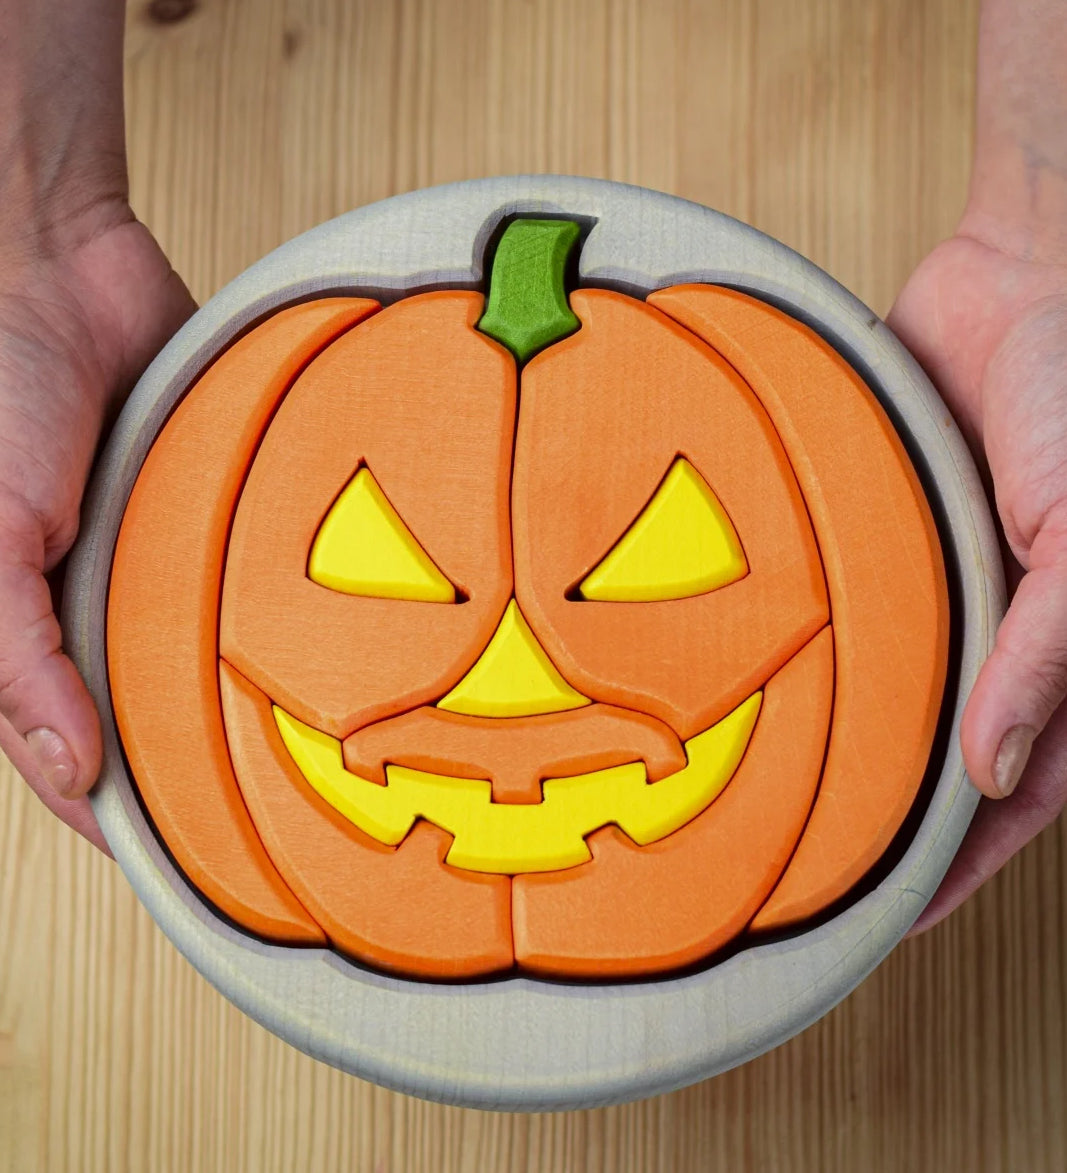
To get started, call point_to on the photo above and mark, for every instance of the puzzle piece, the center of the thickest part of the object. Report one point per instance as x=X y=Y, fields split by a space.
x=399 y=908
x=516 y=753
x=521 y=837
x=363 y=547
x=681 y=544
x=604 y=415
x=428 y=404
x=163 y=614
x=527 y=308
x=634 y=910
x=887 y=588
x=513 y=677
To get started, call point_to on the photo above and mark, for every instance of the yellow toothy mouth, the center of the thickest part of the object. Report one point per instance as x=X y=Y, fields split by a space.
x=510 y=838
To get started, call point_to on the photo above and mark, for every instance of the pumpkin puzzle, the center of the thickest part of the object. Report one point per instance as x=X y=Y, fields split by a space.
x=536 y=629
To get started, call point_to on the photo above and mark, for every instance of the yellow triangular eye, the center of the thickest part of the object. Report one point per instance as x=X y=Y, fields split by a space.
x=364 y=548
x=681 y=544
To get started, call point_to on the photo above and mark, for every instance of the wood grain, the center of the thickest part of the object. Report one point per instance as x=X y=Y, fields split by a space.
x=842 y=127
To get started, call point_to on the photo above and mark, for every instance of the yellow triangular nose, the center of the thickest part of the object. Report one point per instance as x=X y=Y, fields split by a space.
x=513 y=677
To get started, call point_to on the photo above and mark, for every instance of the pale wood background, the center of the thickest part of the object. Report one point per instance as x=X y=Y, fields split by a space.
x=842 y=127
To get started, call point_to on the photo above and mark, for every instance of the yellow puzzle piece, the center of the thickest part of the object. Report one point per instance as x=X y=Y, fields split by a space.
x=681 y=544
x=508 y=838
x=363 y=547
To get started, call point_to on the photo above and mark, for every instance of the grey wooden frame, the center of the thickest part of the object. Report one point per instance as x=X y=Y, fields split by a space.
x=521 y=1043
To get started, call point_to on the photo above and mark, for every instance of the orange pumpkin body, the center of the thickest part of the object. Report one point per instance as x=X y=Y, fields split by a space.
x=516 y=486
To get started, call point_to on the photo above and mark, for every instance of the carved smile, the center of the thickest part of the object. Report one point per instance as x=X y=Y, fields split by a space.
x=510 y=838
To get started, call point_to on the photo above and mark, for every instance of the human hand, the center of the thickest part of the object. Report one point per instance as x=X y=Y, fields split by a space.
x=81 y=314
x=991 y=330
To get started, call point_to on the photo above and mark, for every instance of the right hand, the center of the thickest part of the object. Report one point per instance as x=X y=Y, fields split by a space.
x=991 y=330
x=78 y=325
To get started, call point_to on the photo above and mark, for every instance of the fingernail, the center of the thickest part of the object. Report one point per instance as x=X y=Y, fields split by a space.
x=1012 y=756
x=54 y=759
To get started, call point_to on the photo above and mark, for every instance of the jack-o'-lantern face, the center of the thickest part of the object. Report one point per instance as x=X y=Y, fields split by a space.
x=508 y=635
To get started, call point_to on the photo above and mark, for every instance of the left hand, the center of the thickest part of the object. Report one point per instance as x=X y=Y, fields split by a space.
x=991 y=331
x=78 y=324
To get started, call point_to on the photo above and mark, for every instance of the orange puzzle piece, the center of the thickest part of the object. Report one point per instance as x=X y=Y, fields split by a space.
x=892 y=644
x=515 y=753
x=428 y=405
x=695 y=890
x=604 y=415
x=166 y=578
x=395 y=907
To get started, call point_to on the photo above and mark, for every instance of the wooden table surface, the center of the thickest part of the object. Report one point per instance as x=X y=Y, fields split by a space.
x=843 y=127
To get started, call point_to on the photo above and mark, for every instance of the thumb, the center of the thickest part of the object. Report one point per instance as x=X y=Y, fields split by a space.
x=50 y=725
x=1022 y=683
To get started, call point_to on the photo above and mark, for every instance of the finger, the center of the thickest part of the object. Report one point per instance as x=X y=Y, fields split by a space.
x=76 y=813
x=41 y=694
x=1001 y=828
x=1021 y=684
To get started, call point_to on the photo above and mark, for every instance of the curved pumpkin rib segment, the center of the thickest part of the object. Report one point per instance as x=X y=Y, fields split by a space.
x=634 y=910
x=400 y=908
x=163 y=616
x=427 y=404
x=603 y=416
x=886 y=578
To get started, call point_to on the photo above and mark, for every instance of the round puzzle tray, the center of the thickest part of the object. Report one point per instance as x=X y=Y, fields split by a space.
x=589 y=554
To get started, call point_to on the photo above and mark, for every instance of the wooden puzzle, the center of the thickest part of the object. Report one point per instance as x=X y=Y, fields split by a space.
x=486 y=635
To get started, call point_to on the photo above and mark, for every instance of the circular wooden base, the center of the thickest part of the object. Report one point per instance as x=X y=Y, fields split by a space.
x=521 y=1043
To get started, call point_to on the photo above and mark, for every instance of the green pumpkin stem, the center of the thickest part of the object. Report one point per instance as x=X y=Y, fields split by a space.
x=527 y=308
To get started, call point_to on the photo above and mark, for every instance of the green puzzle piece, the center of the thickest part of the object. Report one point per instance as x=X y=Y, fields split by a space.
x=527 y=308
